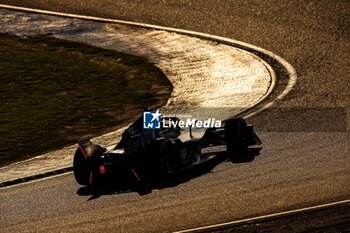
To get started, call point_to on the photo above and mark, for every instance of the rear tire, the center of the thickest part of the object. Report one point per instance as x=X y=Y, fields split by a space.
x=81 y=168
x=169 y=157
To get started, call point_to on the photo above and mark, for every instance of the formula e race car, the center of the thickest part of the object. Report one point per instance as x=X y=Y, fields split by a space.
x=163 y=151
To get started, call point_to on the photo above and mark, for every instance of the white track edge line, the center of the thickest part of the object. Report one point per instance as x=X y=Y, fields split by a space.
x=35 y=180
x=263 y=217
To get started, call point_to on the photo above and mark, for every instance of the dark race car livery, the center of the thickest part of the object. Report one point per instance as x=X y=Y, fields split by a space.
x=163 y=151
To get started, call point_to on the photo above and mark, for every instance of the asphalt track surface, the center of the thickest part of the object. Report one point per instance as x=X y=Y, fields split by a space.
x=300 y=165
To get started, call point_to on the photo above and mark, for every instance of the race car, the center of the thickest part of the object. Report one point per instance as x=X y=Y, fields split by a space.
x=163 y=151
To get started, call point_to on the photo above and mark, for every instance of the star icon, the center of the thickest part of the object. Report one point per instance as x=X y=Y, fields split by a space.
x=155 y=115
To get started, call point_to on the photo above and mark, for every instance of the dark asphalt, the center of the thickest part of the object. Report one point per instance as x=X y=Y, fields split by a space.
x=295 y=169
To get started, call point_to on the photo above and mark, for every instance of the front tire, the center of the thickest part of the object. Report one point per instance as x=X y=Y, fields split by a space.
x=81 y=169
x=236 y=140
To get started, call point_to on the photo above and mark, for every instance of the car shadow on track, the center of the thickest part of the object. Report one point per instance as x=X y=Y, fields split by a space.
x=129 y=184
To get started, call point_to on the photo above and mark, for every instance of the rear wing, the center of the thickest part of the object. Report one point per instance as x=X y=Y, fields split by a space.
x=89 y=149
